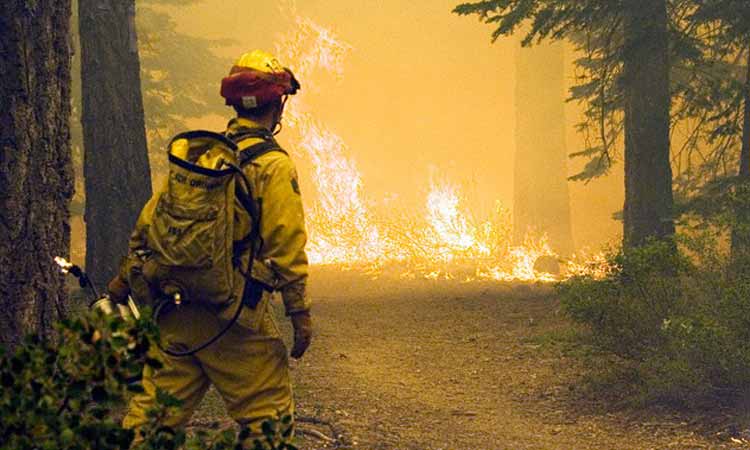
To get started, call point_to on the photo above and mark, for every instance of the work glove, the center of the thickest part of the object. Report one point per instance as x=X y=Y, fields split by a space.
x=303 y=332
x=118 y=290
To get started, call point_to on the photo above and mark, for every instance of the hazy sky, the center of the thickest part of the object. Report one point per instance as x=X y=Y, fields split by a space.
x=423 y=90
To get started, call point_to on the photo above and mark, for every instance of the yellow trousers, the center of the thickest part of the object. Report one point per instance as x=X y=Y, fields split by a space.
x=248 y=367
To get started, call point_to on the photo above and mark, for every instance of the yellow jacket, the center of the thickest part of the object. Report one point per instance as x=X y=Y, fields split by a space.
x=281 y=262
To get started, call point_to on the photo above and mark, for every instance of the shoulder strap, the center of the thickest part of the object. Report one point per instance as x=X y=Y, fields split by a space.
x=242 y=133
x=253 y=241
x=247 y=201
x=254 y=151
x=257 y=150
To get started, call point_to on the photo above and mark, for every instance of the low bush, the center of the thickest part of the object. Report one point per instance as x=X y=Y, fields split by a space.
x=671 y=317
x=69 y=393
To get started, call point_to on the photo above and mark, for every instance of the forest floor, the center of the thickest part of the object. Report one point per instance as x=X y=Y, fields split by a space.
x=419 y=364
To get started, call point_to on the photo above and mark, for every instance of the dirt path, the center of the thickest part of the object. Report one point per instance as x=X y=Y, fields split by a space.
x=445 y=365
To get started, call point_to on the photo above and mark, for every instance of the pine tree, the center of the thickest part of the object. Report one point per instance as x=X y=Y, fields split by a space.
x=179 y=79
x=726 y=24
x=625 y=84
x=648 y=174
x=36 y=177
x=116 y=169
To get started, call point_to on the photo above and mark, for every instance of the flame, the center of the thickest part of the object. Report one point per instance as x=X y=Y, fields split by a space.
x=64 y=264
x=445 y=242
x=452 y=233
x=341 y=229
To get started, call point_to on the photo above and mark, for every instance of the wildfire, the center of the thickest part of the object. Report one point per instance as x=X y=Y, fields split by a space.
x=452 y=235
x=444 y=242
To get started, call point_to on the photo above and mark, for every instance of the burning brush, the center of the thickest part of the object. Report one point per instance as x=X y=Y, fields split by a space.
x=442 y=237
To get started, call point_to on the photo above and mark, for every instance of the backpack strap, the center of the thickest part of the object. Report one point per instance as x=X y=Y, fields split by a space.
x=241 y=133
x=250 y=154
x=247 y=156
x=253 y=290
x=255 y=151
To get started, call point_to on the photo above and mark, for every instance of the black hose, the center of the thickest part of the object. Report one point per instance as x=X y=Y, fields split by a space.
x=84 y=281
x=195 y=350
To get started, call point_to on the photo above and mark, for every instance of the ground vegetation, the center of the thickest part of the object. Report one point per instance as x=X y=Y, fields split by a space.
x=672 y=324
x=69 y=393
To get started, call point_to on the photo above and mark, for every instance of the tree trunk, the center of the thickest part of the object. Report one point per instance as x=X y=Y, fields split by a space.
x=36 y=177
x=116 y=169
x=541 y=200
x=648 y=174
x=741 y=228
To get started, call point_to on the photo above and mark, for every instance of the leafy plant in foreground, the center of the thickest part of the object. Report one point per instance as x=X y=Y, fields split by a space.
x=70 y=393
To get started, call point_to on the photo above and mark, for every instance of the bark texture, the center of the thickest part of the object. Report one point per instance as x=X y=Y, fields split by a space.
x=541 y=197
x=648 y=174
x=36 y=176
x=116 y=168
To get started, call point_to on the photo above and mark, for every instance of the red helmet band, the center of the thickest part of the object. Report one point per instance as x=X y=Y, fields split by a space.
x=246 y=87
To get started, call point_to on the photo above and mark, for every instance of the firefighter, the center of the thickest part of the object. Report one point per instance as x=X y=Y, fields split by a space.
x=248 y=365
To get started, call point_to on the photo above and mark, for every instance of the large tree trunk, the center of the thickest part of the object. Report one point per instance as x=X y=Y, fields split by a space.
x=36 y=177
x=541 y=199
x=741 y=229
x=648 y=174
x=118 y=180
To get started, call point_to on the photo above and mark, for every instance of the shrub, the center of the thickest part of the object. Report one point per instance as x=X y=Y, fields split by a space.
x=673 y=314
x=69 y=393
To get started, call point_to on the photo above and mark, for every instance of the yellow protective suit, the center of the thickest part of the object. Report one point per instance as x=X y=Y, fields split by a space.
x=249 y=365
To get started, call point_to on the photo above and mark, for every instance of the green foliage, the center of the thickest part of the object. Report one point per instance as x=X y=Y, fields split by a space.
x=623 y=309
x=714 y=100
x=673 y=317
x=732 y=17
x=595 y=27
x=69 y=393
x=60 y=395
x=709 y=42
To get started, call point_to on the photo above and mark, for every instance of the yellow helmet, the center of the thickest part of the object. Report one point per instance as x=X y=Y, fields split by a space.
x=256 y=79
x=261 y=61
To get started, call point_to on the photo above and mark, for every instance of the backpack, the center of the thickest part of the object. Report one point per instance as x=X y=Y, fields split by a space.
x=192 y=252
